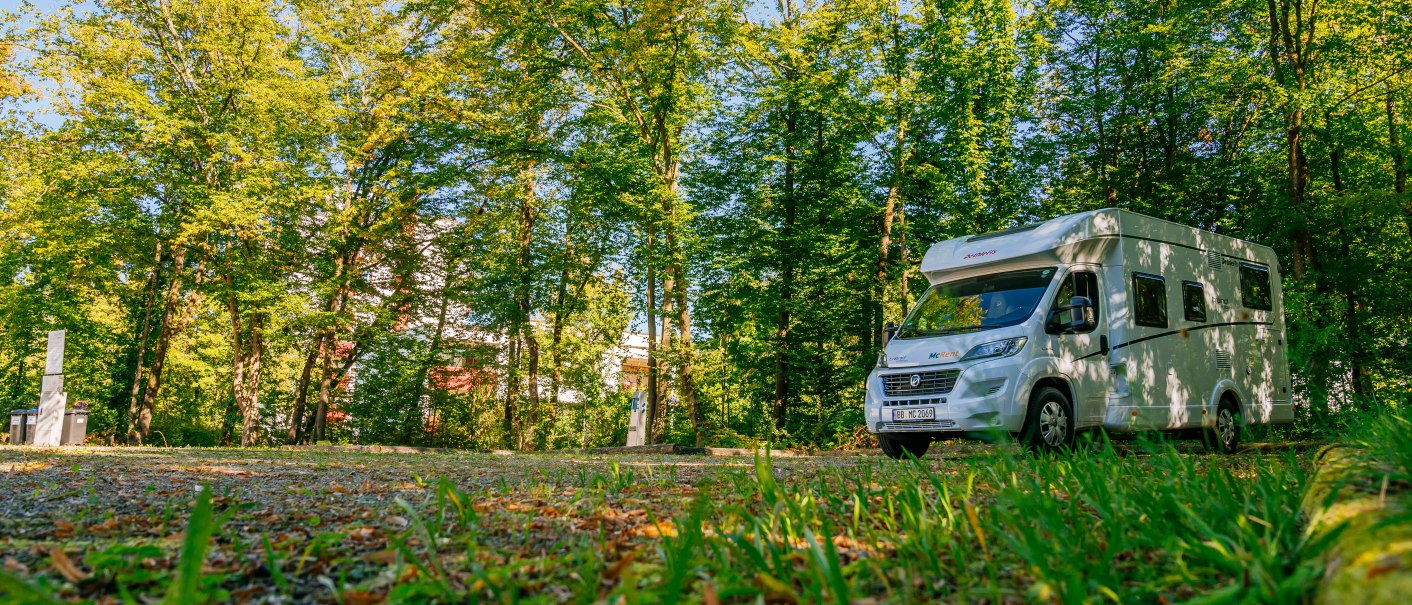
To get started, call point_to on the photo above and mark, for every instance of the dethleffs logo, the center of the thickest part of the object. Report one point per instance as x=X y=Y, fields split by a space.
x=978 y=254
x=942 y=355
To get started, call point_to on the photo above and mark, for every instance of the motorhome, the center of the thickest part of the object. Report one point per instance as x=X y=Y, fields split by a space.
x=1105 y=319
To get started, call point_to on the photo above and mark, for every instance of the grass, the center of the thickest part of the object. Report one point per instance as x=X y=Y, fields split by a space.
x=1128 y=523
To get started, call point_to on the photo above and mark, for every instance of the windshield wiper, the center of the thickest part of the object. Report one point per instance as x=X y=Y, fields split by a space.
x=945 y=331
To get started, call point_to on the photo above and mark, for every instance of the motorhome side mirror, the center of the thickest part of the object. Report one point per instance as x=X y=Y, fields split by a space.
x=889 y=330
x=1083 y=314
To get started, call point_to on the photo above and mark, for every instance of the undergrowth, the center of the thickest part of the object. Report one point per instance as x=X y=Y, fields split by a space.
x=1135 y=523
x=1099 y=525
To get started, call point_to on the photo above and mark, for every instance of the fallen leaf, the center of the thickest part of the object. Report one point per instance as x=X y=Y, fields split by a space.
x=63 y=529
x=386 y=557
x=616 y=569
x=66 y=567
x=657 y=530
x=776 y=592
x=13 y=565
x=106 y=528
x=1384 y=564
x=358 y=597
x=708 y=594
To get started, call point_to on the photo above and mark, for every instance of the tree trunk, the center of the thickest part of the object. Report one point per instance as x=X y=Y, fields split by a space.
x=905 y=294
x=1399 y=162
x=664 y=343
x=301 y=390
x=894 y=191
x=787 y=261
x=557 y=330
x=512 y=385
x=152 y=283
x=528 y=216
x=159 y=356
x=254 y=350
x=246 y=351
x=1289 y=50
x=653 y=405
x=1399 y=166
x=325 y=388
x=415 y=412
x=686 y=379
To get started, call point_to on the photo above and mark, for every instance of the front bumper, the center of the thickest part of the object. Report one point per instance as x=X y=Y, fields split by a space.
x=981 y=400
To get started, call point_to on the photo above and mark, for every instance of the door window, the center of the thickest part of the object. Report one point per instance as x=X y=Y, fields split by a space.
x=1149 y=300
x=1078 y=283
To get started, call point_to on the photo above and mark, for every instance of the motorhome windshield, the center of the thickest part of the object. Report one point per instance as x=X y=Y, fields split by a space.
x=977 y=303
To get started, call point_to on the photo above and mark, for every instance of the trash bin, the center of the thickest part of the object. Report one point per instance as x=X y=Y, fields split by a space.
x=75 y=426
x=17 y=427
x=31 y=417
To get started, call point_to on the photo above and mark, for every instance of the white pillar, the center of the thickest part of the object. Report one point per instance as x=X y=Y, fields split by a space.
x=637 y=420
x=52 y=398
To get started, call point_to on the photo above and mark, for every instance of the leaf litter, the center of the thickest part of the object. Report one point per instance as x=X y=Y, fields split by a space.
x=293 y=526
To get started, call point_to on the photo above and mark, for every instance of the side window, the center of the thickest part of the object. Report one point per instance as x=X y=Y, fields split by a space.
x=1194 y=301
x=1079 y=283
x=1149 y=300
x=1255 y=287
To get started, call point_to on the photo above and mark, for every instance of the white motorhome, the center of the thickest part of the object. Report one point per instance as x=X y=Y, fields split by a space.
x=1104 y=319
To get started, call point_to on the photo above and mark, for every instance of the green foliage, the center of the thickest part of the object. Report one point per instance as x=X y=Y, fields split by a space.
x=267 y=220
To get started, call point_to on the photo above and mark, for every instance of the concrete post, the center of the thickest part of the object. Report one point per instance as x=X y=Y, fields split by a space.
x=52 y=398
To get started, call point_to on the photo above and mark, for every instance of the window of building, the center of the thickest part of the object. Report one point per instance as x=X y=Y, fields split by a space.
x=1149 y=300
x=1193 y=301
x=1255 y=287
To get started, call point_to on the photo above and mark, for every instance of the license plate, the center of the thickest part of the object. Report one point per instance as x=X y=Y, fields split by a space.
x=914 y=414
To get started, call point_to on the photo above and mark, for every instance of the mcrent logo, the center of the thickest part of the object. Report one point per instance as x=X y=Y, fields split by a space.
x=978 y=254
x=942 y=355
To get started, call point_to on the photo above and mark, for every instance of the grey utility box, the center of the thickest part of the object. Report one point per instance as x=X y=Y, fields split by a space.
x=75 y=427
x=17 y=427
x=31 y=425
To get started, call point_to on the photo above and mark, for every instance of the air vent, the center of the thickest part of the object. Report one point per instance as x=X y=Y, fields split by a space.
x=930 y=425
x=995 y=389
x=1223 y=361
x=1214 y=261
x=896 y=402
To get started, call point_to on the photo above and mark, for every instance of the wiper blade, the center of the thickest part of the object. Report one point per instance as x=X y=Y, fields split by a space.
x=958 y=330
x=945 y=331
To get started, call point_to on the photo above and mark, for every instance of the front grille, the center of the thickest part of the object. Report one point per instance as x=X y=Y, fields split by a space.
x=925 y=425
x=938 y=382
x=931 y=401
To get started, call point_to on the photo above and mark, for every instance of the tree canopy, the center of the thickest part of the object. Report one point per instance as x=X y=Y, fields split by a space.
x=432 y=223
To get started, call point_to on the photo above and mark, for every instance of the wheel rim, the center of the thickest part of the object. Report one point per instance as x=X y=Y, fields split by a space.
x=1053 y=423
x=1225 y=426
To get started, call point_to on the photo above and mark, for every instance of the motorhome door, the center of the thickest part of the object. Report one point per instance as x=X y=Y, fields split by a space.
x=1082 y=354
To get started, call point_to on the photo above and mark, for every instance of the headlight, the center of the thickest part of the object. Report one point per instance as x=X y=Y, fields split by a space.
x=882 y=359
x=999 y=348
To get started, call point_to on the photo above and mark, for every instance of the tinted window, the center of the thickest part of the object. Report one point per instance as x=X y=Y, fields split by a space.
x=1255 y=287
x=1081 y=283
x=977 y=303
x=1149 y=300
x=1193 y=301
